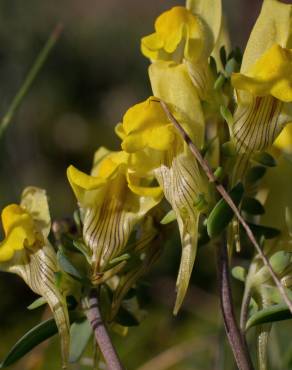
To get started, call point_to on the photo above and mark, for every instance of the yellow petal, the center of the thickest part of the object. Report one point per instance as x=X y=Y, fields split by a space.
x=270 y=75
x=273 y=26
x=178 y=34
x=144 y=115
x=210 y=12
x=34 y=200
x=107 y=226
x=20 y=231
x=284 y=140
x=38 y=271
x=181 y=182
x=256 y=125
x=83 y=185
x=222 y=40
x=138 y=186
x=171 y=83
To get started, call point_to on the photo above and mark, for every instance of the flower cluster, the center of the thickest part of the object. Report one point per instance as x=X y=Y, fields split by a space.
x=232 y=112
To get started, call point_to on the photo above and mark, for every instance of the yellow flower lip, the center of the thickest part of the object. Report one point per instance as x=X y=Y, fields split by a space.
x=19 y=229
x=270 y=75
x=175 y=29
x=146 y=125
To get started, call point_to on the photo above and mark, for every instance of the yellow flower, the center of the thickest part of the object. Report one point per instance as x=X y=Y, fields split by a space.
x=187 y=36
x=178 y=34
x=113 y=201
x=169 y=160
x=264 y=84
x=27 y=252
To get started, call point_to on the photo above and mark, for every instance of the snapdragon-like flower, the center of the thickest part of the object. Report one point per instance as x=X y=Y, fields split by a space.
x=264 y=84
x=155 y=148
x=27 y=252
x=184 y=36
x=112 y=201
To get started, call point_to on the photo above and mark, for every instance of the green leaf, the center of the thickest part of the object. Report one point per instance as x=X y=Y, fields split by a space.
x=239 y=273
x=168 y=218
x=265 y=159
x=213 y=65
x=32 y=338
x=37 y=303
x=228 y=149
x=264 y=231
x=223 y=55
x=218 y=173
x=81 y=247
x=80 y=335
x=222 y=214
x=255 y=174
x=219 y=82
x=226 y=114
x=125 y=318
x=67 y=266
x=231 y=66
x=277 y=312
x=252 y=206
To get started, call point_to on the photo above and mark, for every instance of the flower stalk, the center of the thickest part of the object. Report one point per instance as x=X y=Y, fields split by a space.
x=91 y=308
x=237 y=342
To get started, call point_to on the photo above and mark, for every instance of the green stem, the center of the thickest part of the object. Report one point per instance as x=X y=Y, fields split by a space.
x=33 y=72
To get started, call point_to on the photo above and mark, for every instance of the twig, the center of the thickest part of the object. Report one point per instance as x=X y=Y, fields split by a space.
x=220 y=188
x=237 y=343
x=103 y=340
x=33 y=72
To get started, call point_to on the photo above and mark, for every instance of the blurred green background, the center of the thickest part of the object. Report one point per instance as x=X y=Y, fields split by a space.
x=94 y=73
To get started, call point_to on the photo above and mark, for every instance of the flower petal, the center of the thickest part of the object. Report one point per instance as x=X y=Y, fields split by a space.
x=38 y=270
x=35 y=201
x=181 y=182
x=273 y=26
x=257 y=124
x=210 y=11
x=270 y=75
x=171 y=83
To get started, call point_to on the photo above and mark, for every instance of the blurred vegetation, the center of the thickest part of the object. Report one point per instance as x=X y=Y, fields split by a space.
x=93 y=75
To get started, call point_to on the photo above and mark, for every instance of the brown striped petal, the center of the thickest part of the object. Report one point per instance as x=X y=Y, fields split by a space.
x=182 y=182
x=258 y=123
x=37 y=269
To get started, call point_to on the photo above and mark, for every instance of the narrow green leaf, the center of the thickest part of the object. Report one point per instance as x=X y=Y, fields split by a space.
x=228 y=149
x=239 y=273
x=265 y=159
x=277 y=312
x=226 y=114
x=252 y=206
x=125 y=318
x=168 y=218
x=37 y=303
x=80 y=334
x=67 y=266
x=231 y=66
x=219 y=173
x=213 y=65
x=219 y=82
x=81 y=247
x=264 y=231
x=255 y=174
x=223 y=55
x=222 y=214
x=32 y=338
